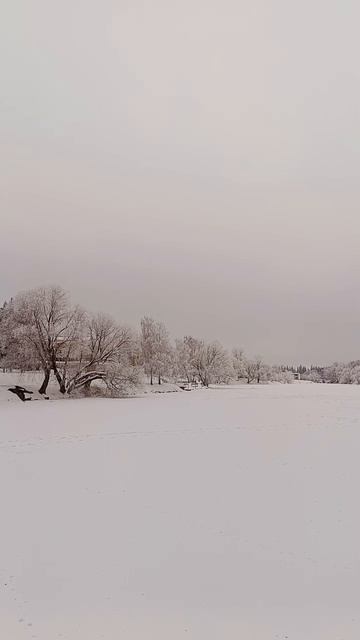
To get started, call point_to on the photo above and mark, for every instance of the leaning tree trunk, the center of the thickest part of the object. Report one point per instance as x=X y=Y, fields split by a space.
x=45 y=382
x=59 y=379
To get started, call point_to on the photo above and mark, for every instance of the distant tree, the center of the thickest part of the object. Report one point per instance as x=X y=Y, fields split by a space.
x=350 y=373
x=250 y=371
x=135 y=351
x=301 y=369
x=6 y=327
x=332 y=373
x=312 y=376
x=186 y=354
x=156 y=349
x=211 y=363
x=238 y=363
x=280 y=374
x=260 y=369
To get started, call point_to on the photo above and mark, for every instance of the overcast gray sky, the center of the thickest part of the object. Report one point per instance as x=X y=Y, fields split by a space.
x=197 y=160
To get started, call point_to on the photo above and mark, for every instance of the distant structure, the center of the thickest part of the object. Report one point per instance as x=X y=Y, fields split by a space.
x=297 y=375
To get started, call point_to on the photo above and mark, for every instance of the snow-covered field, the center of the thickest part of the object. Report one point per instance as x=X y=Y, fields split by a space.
x=222 y=514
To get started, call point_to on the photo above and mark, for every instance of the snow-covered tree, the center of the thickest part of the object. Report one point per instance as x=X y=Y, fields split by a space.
x=250 y=370
x=280 y=374
x=158 y=356
x=313 y=375
x=211 y=363
x=104 y=355
x=50 y=327
x=349 y=373
x=332 y=373
x=6 y=333
x=261 y=369
x=185 y=354
x=238 y=363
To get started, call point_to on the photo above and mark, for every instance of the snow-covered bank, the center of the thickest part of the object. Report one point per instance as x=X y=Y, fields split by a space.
x=32 y=382
x=29 y=380
x=217 y=514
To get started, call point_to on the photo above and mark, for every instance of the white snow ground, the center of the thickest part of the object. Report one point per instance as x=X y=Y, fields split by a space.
x=223 y=514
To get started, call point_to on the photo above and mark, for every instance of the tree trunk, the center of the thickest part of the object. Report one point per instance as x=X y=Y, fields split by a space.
x=151 y=377
x=45 y=383
x=159 y=378
x=59 y=379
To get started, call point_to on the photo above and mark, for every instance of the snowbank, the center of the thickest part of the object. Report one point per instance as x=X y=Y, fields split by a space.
x=32 y=381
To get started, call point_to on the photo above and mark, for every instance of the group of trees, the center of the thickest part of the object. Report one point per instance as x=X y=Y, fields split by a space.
x=41 y=330
x=336 y=373
x=257 y=371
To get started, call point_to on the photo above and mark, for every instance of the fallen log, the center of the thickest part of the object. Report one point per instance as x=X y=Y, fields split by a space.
x=20 y=393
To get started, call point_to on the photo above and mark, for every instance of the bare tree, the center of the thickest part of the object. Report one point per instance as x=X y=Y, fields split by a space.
x=156 y=348
x=211 y=363
x=105 y=352
x=8 y=349
x=260 y=369
x=148 y=346
x=50 y=327
x=312 y=376
x=238 y=363
x=185 y=355
x=250 y=370
x=280 y=374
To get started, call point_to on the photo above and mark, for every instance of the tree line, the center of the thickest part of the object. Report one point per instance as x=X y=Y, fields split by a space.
x=42 y=330
x=336 y=373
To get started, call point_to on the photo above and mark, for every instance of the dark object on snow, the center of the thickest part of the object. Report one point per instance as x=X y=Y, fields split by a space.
x=20 y=392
